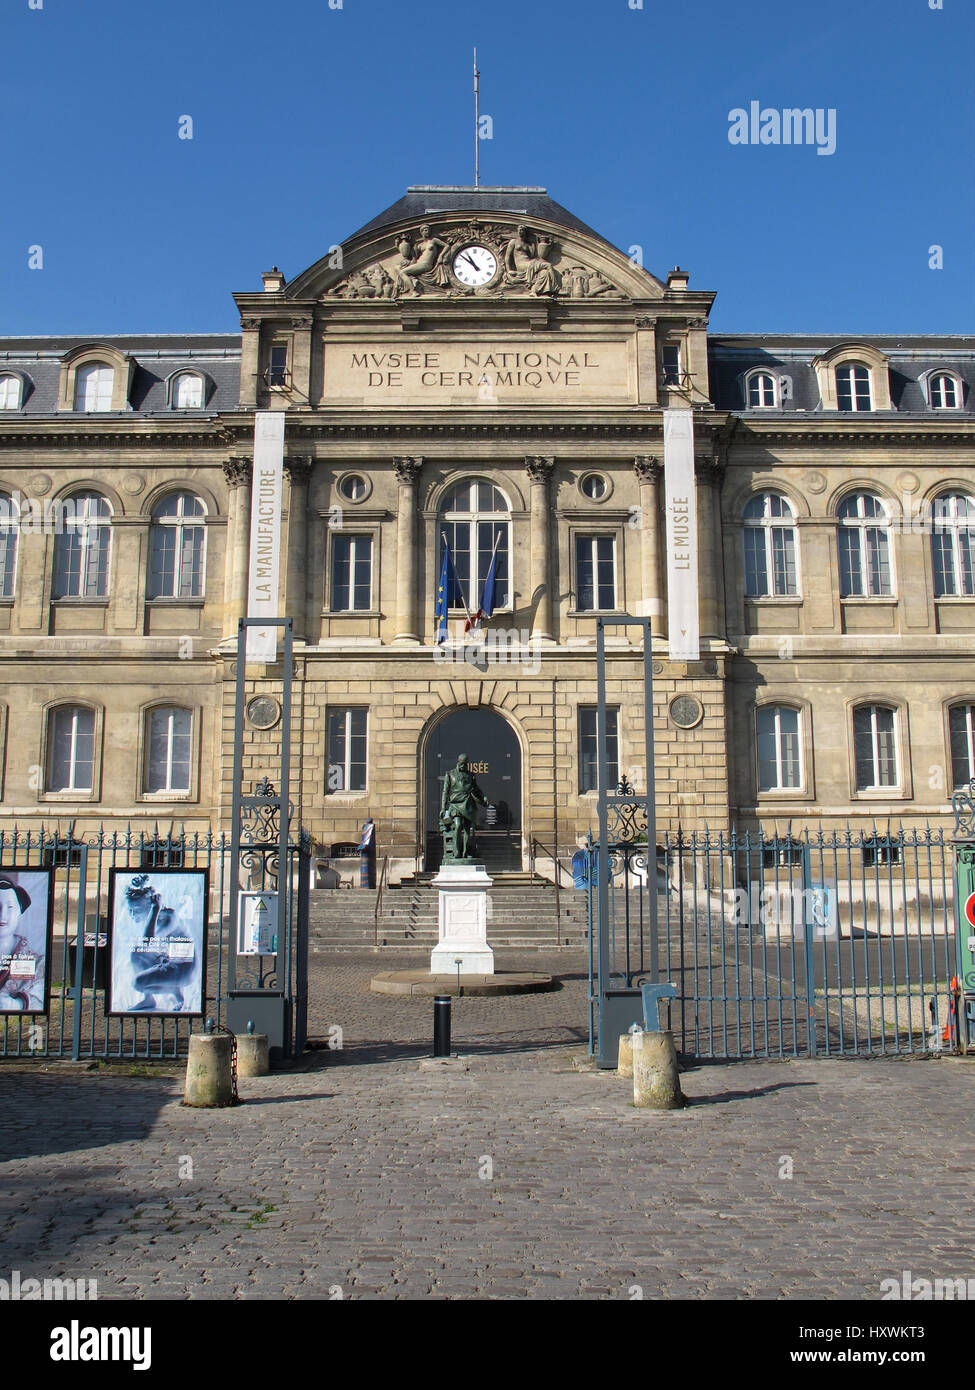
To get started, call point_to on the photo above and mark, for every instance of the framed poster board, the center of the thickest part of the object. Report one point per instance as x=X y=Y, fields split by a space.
x=26 y=923
x=157 y=923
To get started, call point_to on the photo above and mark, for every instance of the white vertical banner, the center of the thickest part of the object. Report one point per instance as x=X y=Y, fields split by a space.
x=265 y=550
x=683 y=621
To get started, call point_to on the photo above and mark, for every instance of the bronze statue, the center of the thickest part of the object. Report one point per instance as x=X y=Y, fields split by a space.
x=458 y=809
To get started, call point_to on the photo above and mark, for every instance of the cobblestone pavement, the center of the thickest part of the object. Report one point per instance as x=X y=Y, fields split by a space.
x=521 y=1177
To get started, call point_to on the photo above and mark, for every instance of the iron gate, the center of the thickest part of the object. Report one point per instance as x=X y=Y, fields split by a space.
x=76 y=1024
x=831 y=943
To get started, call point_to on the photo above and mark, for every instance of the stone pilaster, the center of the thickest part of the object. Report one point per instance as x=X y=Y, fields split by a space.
x=238 y=472
x=708 y=474
x=407 y=572
x=295 y=595
x=649 y=471
x=539 y=474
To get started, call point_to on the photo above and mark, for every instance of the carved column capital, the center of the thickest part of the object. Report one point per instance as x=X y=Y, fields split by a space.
x=645 y=323
x=407 y=469
x=647 y=468
x=237 y=470
x=709 y=470
x=539 y=468
x=298 y=469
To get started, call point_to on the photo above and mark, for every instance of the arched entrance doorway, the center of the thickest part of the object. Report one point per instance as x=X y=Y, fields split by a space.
x=494 y=756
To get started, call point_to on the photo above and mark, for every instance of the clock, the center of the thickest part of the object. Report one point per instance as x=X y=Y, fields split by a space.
x=474 y=266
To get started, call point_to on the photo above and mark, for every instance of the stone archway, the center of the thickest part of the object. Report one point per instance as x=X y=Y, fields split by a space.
x=494 y=754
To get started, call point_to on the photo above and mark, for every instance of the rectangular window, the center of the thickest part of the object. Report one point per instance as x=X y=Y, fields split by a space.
x=588 y=749
x=351 y=573
x=874 y=748
x=961 y=725
x=779 y=753
x=346 y=750
x=595 y=573
x=168 y=750
x=670 y=363
x=71 y=753
x=277 y=372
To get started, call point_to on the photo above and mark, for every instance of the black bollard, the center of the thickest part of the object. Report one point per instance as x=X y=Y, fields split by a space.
x=441 y=1025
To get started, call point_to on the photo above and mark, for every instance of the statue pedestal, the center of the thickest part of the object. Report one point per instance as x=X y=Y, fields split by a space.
x=463 y=921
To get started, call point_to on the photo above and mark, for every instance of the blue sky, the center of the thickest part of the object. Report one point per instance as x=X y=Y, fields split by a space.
x=308 y=120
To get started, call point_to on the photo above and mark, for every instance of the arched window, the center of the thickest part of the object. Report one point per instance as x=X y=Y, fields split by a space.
x=187 y=391
x=71 y=749
x=953 y=545
x=168 y=745
x=779 y=748
x=864 y=546
x=11 y=389
x=475 y=519
x=944 y=391
x=177 y=541
x=770 y=547
x=853 y=387
x=82 y=548
x=961 y=729
x=93 y=386
x=762 y=391
x=9 y=529
x=875 y=747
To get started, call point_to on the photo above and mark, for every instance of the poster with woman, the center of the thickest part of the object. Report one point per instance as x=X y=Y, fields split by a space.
x=157 y=922
x=26 y=917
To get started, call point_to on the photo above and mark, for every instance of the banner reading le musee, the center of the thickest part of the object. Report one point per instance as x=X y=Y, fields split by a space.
x=683 y=623
x=418 y=373
x=265 y=552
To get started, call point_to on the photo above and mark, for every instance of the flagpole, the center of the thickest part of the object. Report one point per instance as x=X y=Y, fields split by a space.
x=476 y=147
x=443 y=536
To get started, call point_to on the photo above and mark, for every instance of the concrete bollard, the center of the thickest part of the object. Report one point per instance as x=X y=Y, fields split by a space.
x=625 y=1064
x=253 y=1054
x=656 y=1083
x=209 y=1080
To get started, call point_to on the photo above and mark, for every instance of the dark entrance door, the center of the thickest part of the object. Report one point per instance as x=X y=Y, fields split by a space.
x=494 y=756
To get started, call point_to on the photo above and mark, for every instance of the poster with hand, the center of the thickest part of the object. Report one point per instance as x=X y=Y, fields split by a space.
x=26 y=917
x=157 y=921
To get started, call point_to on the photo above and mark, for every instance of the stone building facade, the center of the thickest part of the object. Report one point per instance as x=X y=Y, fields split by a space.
x=480 y=367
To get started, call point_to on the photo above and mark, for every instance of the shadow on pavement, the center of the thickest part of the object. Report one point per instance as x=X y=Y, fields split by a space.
x=725 y=1097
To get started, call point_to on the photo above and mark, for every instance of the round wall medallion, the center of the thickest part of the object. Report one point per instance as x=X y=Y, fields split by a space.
x=686 y=711
x=39 y=484
x=908 y=482
x=814 y=481
x=263 y=711
x=658 y=668
x=133 y=483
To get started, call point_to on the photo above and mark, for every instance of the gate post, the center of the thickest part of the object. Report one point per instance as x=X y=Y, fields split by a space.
x=963 y=805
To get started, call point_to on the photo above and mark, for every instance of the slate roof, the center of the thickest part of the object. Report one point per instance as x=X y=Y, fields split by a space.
x=792 y=355
x=529 y=202
x=157 y=357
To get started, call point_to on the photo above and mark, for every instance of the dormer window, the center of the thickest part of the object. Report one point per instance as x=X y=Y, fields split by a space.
x=187 y=392
x=944 y=391
x=762 y=393
x=11 y=390
x=277 y=371
x=93 y=386
x=670 y=364
x=853 y=387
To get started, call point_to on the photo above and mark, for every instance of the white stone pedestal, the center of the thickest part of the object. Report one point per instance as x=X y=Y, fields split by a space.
x=463 y=921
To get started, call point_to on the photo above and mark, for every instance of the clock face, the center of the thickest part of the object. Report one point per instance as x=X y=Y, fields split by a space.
x=475 y=266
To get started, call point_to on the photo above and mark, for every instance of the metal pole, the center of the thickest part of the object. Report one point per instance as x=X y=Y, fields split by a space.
x=651 y=797
x=602 y=860
x=238 y=775
x=441 y=1025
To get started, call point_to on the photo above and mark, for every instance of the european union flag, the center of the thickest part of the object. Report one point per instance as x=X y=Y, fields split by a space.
x=440 y=612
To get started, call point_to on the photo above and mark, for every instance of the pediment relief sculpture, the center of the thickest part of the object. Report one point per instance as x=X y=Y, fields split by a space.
x=477 y=258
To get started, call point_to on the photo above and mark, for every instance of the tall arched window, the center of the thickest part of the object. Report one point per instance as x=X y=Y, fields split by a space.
x=476 y=520
x=82 y=549
x=770 y=547
x=875 y=747
x=761 y=391
x=187 y=391
x=9 y=530
x=961 y=728
x=177 y=542
x=779 y=748
x=864 y=546
x=71 y=749
x=853 y=387
x=93 y=386
x=168 y=748
x=953 y=545
x=944 y=391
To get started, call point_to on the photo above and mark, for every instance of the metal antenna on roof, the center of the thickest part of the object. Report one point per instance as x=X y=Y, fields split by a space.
x=476 y=143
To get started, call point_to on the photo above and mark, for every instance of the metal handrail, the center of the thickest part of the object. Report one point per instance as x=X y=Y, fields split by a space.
x=379 y=898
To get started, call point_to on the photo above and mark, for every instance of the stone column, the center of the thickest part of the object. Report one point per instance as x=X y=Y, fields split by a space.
x=649 y=470
x=295 y=604
x=407 y=573
x=708 y=475
x=539 y=473
x=238 y=472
